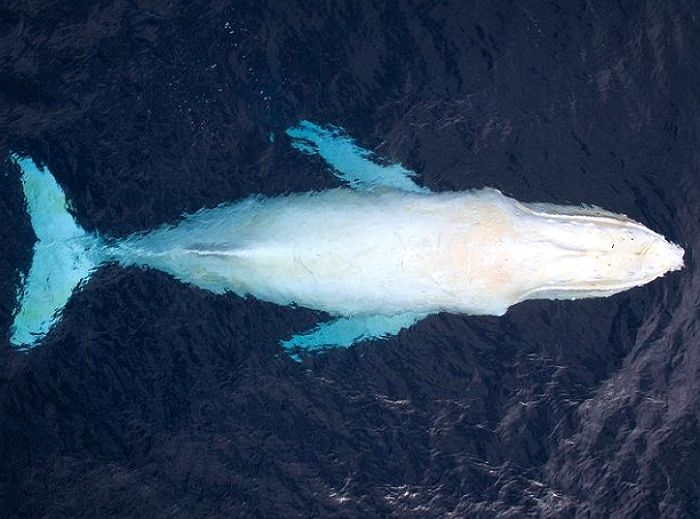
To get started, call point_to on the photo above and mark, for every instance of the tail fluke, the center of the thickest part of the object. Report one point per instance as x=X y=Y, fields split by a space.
x=64 y=256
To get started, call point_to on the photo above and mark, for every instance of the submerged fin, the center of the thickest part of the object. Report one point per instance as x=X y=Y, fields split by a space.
x=351 y=163
x=64 y=256
x=346 y=331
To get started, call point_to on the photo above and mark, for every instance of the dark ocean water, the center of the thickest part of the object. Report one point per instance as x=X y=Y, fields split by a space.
x=155 y=399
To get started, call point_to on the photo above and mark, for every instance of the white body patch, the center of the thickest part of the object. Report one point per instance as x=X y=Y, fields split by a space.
x=366 y=253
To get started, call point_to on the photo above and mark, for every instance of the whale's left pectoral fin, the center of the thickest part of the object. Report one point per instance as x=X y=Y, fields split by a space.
x=359 y=167
x=346 y=331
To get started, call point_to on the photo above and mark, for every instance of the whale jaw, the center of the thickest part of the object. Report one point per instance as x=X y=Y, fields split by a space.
x=594 y=253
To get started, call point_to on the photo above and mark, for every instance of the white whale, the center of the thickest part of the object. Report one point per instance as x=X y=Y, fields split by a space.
x=377 y=257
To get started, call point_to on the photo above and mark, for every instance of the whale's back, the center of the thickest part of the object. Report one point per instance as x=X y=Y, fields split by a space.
x=392 y=252
x=345 y=252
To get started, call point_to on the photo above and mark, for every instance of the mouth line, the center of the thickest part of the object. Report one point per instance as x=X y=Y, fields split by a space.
x=601 y=216
x=590 y=287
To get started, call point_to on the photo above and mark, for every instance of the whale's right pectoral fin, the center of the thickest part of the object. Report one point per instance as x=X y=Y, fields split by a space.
x=359 y=167
x=346 y=331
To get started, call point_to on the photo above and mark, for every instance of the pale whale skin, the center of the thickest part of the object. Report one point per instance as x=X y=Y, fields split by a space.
x=377 y=257
x=355 y=253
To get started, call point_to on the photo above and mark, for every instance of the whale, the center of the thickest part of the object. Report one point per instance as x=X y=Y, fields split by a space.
x=376 y=254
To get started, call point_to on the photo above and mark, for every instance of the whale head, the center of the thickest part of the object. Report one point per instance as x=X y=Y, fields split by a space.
x=588 y=252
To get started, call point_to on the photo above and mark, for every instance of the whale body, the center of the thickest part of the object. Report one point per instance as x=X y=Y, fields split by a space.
x=377 y=255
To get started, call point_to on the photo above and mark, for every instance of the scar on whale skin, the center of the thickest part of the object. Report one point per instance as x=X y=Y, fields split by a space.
x=377 y=255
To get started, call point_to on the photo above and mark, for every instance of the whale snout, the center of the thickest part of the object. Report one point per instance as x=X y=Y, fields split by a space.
x=661 y=256
x=586 y=255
